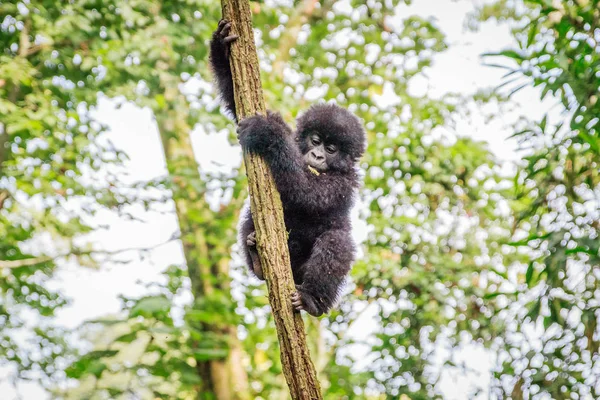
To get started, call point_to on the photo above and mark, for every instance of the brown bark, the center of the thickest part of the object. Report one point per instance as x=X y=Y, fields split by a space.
x=267 y=213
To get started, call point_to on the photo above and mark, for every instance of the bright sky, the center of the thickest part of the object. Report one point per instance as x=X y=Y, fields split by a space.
x=94 y=293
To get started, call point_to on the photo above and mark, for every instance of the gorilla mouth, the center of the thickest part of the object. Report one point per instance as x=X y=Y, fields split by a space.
x=319 y=166
x=314 y=171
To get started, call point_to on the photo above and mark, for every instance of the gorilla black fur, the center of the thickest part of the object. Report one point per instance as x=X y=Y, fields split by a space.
x=317 y=203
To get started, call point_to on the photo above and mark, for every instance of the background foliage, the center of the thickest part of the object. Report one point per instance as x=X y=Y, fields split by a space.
x=458 y=252
x=552 y=350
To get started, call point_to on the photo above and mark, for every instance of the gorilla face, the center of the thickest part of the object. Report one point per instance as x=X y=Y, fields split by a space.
x=319 y=154
x=330 y=138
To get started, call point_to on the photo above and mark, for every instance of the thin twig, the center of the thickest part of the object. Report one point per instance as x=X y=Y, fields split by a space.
x=28 y=262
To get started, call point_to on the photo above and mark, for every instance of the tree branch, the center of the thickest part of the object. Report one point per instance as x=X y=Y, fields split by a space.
x=28 y=262
x=3 y=193
x=267 y=213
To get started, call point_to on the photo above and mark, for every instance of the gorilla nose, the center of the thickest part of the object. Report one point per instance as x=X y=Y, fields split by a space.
x=317 y=156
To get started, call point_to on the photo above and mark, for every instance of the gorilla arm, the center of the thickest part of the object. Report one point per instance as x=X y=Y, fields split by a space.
x=219 y=62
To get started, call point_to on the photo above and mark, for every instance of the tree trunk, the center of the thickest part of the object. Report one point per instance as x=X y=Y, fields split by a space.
x=208 y=267
x=267 y=213
x=3 y=149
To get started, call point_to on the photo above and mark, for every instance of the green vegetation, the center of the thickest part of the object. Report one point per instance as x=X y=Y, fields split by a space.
x=458 y=252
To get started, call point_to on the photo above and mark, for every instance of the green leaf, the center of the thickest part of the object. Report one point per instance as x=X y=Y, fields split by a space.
x=89 y=364
x=555 y=308
x=580 y=249
x=492 y=295
x=519 y=133
x=525 y=242
x=594 y=142
x=517 y=89
x=506 y=53
x=498 y=66
x=150 y=306
x=101 y=353
x=533 y=29
x=534 y=310
x=127 y=338
x=529 y=273
x=106 y=322
x=210 y=354
x=543 y=123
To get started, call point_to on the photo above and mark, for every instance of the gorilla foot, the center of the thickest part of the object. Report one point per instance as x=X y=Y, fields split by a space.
x=302 y=301
x=251 y=239
x=256 y=265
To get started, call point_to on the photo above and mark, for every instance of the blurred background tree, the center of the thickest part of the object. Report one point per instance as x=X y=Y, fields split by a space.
x=56 y=172
x=58 y=60
x=457 y=251
x=551 y=347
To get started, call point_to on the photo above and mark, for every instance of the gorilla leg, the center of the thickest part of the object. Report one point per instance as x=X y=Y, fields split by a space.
x=256 y=265
x=247 y=241
x=324 y=272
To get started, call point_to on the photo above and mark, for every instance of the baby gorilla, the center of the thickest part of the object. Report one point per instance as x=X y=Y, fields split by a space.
x=315 y=173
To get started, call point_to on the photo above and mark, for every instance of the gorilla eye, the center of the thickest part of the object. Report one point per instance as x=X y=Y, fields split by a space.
x=331 y=149
x=315 y=140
